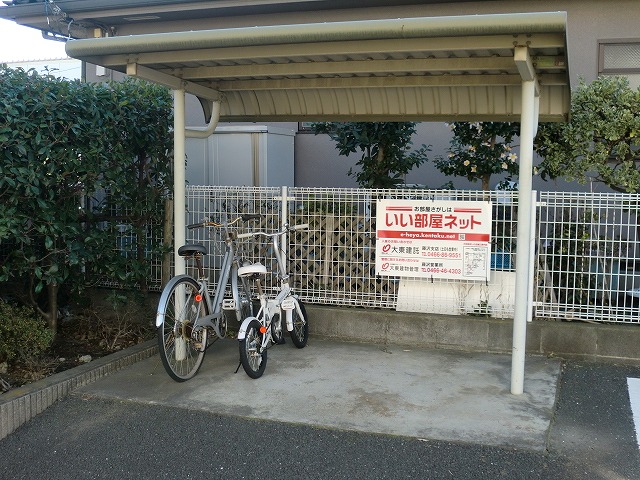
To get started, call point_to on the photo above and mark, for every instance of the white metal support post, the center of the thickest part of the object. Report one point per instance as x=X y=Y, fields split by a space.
x=179 y=189
x=526 y=207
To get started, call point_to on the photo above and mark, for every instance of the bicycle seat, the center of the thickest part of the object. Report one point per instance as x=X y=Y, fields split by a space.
x=254 y=269
x=192 y=248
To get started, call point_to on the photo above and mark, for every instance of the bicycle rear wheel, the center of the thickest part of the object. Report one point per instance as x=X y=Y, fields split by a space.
x=181 y=347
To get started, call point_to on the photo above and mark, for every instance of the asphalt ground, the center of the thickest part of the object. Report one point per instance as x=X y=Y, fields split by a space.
x=338 y=410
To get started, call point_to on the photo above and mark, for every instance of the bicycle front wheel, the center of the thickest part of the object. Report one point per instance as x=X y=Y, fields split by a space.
x=300 y=332
x=182 y=348
x=252 y=356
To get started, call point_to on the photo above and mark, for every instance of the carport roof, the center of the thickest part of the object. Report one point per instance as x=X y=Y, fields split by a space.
x=462 y=68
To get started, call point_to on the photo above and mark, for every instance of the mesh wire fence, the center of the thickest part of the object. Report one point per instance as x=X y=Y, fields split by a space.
x=333 y=262
x=587 y=263
x=224 y=205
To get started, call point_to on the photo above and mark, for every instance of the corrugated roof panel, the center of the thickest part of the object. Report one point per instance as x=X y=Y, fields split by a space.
x=481 y=103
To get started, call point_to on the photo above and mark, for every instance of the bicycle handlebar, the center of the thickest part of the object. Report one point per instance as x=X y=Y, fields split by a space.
x=245 y=217
x=303 y=226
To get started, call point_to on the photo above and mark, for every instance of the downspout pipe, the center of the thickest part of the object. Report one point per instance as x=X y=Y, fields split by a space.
x=211 y=126
x=180 y=133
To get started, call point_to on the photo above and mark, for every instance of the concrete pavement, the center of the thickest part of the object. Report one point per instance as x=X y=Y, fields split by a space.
x=407 y=391
x=331 y=410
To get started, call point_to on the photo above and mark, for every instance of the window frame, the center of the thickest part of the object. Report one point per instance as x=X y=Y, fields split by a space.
x=602 y=44
x=305 y=127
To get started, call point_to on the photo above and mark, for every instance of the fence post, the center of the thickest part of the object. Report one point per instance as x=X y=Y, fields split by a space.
x=532 y=255
x=284 y=212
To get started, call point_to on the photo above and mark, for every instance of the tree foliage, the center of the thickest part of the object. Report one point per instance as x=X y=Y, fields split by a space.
x=385 y=149
x=480 y=150
x=79 y=164
x=601 y=141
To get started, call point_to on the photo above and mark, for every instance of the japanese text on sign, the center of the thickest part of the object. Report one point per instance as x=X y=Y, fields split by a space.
x=433 y=239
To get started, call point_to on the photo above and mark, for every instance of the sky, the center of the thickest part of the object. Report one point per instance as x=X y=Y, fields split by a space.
x=23 y=43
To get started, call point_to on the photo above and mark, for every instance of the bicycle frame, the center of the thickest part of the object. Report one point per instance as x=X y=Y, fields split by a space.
x=228 y=269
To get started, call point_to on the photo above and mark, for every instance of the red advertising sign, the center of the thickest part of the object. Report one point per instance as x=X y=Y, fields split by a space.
x=433 y=239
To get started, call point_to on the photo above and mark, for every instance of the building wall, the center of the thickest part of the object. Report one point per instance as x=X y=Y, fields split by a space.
x=317 y=162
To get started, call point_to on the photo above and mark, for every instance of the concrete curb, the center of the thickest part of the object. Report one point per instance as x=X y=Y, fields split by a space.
x=575 y=340
x=19 y=405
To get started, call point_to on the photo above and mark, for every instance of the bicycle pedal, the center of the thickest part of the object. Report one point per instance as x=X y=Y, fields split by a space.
x=228 y=304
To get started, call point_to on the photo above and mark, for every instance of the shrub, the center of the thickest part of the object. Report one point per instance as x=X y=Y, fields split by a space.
x=83 y=168
x=479 y=150
x=22 y=332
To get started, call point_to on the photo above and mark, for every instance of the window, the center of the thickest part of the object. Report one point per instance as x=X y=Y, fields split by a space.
x=620 y=57
x=305 y=127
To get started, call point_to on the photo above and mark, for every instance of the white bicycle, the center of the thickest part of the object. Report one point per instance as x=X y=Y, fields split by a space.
x=257 y=334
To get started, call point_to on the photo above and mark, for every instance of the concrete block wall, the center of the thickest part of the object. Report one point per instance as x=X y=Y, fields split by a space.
x=578 y=340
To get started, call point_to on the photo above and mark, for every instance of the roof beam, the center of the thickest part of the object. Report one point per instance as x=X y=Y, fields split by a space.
x=385 y=82
x=368 y=67
x=139 y=71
